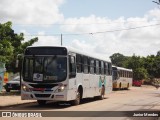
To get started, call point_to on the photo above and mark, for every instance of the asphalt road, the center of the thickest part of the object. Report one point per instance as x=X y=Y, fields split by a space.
x=145 y=98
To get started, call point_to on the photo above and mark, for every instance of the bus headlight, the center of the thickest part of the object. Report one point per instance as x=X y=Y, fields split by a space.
x=60 y=88
x=25 y=88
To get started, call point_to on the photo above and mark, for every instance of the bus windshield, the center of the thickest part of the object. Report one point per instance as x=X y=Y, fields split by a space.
x=115 y=74
x=45 y=68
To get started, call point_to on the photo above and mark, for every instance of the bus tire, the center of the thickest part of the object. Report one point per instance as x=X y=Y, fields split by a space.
x=78 y=98
x=7 y=90
x=41 y=102
x=127 y=86
x=120 y=86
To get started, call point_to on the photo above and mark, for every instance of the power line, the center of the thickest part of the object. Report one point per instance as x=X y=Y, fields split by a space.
x=68 y=24
x=91 y=33
x=127 y=29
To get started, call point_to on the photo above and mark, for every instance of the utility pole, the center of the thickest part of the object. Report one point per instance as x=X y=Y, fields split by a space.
x=61 y=39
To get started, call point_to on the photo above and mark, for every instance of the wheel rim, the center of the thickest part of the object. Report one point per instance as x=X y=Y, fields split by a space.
x=78 y=97
x=120 y=86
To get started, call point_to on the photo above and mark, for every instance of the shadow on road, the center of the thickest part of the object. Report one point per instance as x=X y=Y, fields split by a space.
x=48 y=106
x=124 y=89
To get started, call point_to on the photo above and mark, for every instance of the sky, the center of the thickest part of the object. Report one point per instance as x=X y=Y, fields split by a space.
x=101 y=27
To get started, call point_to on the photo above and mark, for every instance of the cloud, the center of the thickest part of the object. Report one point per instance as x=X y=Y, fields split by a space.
x=31 y=11
x=81 y=45
x=141 y=41
x=44 y=40
x=155 y=13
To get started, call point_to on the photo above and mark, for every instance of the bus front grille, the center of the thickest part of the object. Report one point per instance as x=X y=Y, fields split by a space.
x=43 y=85
x=42 y=95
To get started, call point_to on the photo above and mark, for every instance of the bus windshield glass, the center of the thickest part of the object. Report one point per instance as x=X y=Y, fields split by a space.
x=45 y=68
x=115 y=74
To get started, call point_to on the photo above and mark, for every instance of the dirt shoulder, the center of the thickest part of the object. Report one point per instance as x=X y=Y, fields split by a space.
x=11 y=98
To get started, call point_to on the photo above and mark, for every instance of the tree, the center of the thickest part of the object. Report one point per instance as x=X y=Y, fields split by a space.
x=158 y=53
x=11 y=44
x=118 y=59
x=135 y=62
x=152 y=65
x=140 y=74
x=157 y=67
x=6 y=48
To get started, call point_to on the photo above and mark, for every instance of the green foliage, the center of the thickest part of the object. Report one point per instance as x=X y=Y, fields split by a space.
x=11 y=44
x=135 y=62
x=140 y=74
x=118 y=59
x=152 y=65
x=6 y=48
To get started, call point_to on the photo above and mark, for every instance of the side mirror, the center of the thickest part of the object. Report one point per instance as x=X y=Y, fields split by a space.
x=17 y=63
x=17 y=60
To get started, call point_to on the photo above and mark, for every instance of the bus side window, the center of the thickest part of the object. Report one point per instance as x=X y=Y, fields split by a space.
x=97 y=67
x=102 y=67
x=92 y=71
x=79 y=63
x=72 y=67
x=88 y=63
x=85 y=64
x=127 y=74
x=109 y=69
x=106 y=68
x=120 y=73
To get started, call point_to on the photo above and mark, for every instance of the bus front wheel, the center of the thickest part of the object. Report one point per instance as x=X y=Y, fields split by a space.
x=78 y=98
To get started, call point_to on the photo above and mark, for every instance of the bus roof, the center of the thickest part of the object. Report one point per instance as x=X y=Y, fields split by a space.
x=121 y=68
x=92 y=55
x=70 y=49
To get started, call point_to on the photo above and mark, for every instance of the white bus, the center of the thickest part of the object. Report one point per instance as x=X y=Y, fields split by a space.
x=63 y=74
x=122 y=77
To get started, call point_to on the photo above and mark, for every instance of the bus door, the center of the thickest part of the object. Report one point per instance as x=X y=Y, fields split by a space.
x=72 y=77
